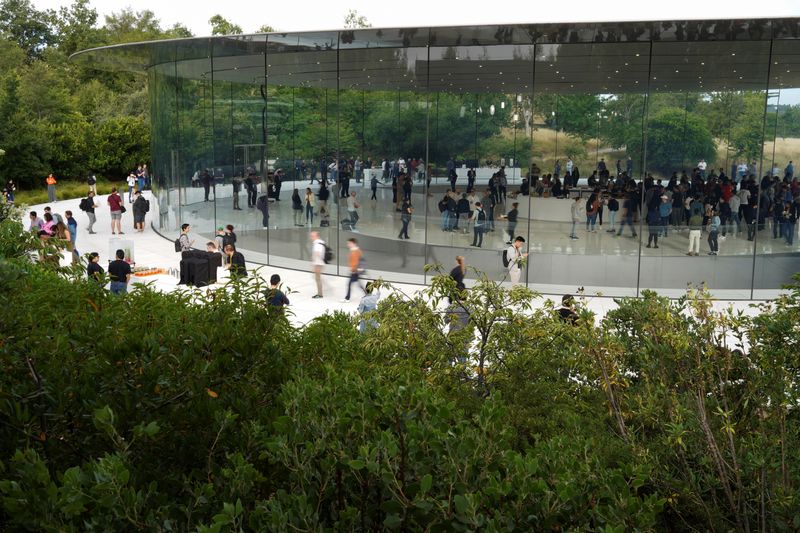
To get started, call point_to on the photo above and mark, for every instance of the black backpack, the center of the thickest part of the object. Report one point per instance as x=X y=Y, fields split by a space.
x=147 y=206
x=178 y=246
x=506 y=259
x=261 y=203
x=84 y=205
x=328 y=256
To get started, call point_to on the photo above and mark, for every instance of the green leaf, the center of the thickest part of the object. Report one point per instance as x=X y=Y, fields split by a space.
x=425 y=484
x=356 y=464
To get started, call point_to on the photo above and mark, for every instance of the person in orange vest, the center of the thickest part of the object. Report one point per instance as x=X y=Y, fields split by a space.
x=51 y=188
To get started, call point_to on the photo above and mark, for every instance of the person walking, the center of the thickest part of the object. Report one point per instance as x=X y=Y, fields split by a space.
x=310 y=205
x=628 y=209
x=458 y=272
x=515 y=258
x=140 y=208
x=373 y=184
x=352 y=209
x=405 y=218
x=354 y=261
x=479 y=222
x=511 y=218
x=576 y=216
x=88 y=205
x=318 y=249
x=713 y=232
x=51 y=181
x=119 y=271
x=116 y=205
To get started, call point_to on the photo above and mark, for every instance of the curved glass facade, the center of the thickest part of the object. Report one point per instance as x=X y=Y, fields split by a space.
x=639 y=99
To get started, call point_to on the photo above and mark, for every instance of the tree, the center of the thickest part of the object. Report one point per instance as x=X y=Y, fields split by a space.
x=675 y=138
x=30 y=28
x=354 y=21
x=221 y=26
x=265 y=28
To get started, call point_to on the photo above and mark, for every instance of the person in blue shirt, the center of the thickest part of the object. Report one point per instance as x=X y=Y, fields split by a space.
x=275 y=297
x=368 y=303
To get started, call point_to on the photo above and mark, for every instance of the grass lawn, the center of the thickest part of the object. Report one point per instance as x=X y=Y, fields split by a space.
x=65 y=190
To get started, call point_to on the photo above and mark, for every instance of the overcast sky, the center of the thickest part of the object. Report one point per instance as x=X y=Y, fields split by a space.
x=294 y=15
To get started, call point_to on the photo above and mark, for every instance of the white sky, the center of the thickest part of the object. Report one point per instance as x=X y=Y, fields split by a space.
x=295 y=15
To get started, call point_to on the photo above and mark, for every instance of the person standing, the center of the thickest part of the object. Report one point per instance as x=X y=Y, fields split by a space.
x=352 y=209
x=131 y=186
x=140 y=177
x=235 y=263
x=654 y=225
x=515 y=257
x=576 y=216
x=628 y=209
x=94 y=271
x=116 y=204
x=324 y=194
x=592 y=209
x=237 y=186
x=310 y=205
x=228 y=237
x=205 y=179
x=405 y=218
x=252 y=189
x=713 y=232
x=51 y=187
x=91 y=181
x=10 y=190
x=297 y=208
x=72 y=227
x=140 y=208
x=120 y=273
x=354 y=261
x=479 y=222
x=276 y=299
x=185 y=242
x=368 y=303
x=262 y=204
x=89 y=206
x=695 y=227
x=318 y=249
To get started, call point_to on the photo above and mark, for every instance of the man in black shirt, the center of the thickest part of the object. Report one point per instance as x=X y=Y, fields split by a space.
x=236 y=264
x=120 y=273
x=511 y=217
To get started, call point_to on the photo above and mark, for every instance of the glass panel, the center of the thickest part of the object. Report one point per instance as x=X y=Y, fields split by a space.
x=777 y=246
x=706 y=111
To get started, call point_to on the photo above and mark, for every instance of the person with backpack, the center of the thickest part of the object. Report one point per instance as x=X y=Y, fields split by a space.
x=513 y=258
x=319 y=253
x=88 y=205
x=183 y=243
x=140 y=208
x=228 y=237
x=479 y=223
x=91 y=181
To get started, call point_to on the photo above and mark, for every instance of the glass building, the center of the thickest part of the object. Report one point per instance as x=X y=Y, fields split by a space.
x=635 y=98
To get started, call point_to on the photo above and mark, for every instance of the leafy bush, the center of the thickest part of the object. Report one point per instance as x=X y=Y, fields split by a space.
x=207 y=412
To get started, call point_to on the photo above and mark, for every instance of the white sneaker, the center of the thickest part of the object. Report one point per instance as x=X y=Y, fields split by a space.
x=344 y=300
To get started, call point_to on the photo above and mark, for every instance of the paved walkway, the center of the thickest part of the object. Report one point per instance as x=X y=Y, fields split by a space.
x=152 y=250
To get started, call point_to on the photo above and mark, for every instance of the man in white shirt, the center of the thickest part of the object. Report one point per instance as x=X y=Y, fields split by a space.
x=701 y=166
x=515 y=257
x=131 y=186
x=317 y=260
x=352 y=209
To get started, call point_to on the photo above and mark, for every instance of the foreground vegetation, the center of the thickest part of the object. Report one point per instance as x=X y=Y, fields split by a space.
x=208 y=412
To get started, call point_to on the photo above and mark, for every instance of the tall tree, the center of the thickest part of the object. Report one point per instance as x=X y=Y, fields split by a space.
x=221 y=26
x=353 y=20
x=30 y=28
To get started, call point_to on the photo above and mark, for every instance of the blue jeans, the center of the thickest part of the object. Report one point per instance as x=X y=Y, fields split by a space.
x=309 y=214
x=664 y=224
x=445 y=220
x=591 y=220
x=789 y=232
x=119 y=287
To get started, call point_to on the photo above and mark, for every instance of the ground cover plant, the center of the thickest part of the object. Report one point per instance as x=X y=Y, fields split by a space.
x=209 y=412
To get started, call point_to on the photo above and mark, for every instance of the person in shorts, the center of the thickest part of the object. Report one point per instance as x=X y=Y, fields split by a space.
x=115 y=203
